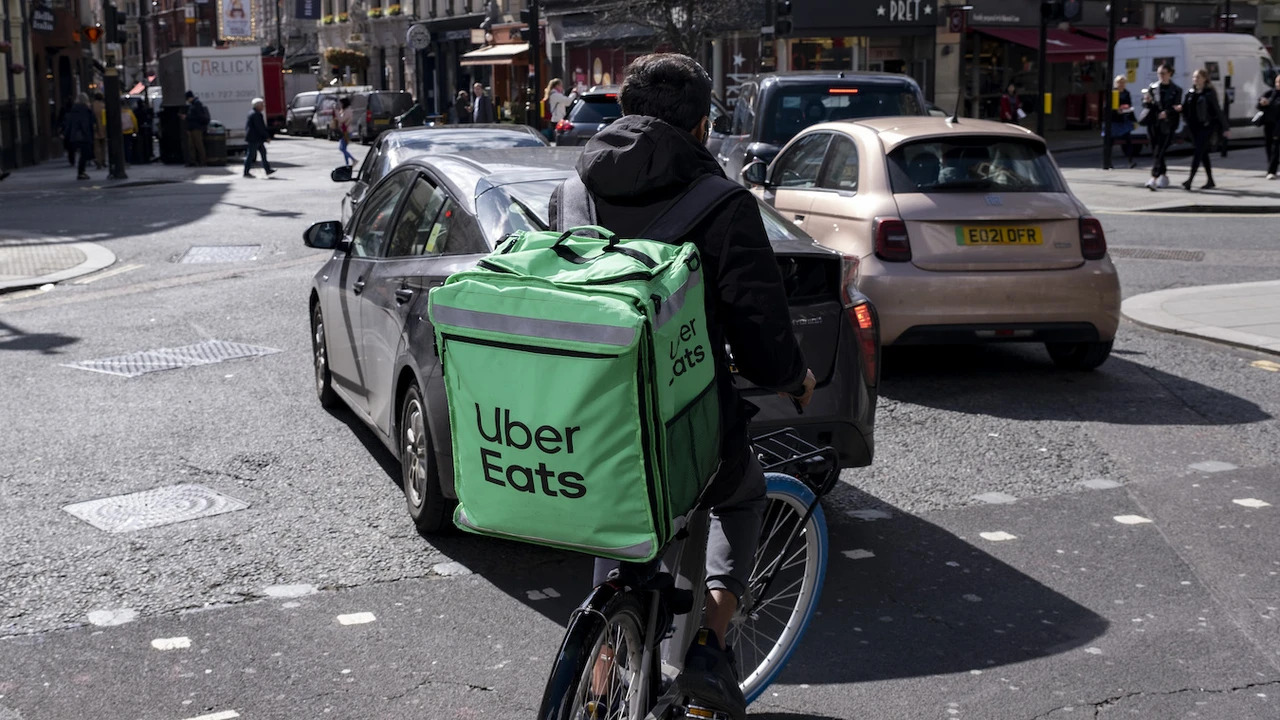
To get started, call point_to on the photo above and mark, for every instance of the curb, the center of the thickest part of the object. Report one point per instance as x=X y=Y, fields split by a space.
x=97 y=257
x=1148 y=311
x=1272 y=209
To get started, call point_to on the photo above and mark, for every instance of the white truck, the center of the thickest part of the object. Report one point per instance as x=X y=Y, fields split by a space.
x=225 y=79
x=1227 y=57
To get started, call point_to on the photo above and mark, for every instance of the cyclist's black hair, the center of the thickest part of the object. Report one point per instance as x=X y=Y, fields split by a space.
x=668 y=86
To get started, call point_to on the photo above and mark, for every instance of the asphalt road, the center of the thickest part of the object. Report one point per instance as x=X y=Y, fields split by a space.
x=1077 y=615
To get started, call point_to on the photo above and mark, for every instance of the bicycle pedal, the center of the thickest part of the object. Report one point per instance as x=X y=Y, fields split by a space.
x=697 y=712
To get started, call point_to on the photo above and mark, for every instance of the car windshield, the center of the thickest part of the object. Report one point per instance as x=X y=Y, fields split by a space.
x=595 y=110
x=793 y=108
x=526 y=205
x=973 y=163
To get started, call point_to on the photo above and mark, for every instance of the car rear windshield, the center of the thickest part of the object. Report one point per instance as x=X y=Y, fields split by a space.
x=973 y=163
x=796 y=107
x=595 y=110
x=394 y=103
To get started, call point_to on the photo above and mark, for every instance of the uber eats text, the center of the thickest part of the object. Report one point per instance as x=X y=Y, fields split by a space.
x=517 y=435
x=683 y=362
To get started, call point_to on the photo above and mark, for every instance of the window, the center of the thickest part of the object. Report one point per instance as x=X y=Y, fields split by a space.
x=376 y=216
x=973 y=163
x=799 y=167
x=595 y=110
x=1268 y=71
x=793 y=108
x=416 y=220
x=842 y=165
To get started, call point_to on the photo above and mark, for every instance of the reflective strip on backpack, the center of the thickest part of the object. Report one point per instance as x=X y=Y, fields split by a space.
x=675 y=302
x=531 y=327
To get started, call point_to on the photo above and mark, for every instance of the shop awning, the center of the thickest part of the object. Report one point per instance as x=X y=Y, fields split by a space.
x=495 y=54
x=1063 y=46
x=1122 y=32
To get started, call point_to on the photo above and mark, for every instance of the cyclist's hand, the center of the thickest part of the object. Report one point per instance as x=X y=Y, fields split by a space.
x=809 y=382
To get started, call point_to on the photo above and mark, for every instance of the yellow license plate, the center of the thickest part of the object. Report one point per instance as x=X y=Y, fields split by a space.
x=1000 y=235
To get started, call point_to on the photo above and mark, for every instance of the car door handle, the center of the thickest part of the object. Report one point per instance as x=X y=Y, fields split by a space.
x=797 y=219
x=357 y=287
x=404 y=295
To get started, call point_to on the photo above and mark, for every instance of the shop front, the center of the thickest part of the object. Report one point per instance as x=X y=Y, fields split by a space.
x=441 y=61
x=508 y=68
x=879 y=35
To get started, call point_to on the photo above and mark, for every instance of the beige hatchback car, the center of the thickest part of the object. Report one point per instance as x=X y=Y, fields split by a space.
x=959 y=232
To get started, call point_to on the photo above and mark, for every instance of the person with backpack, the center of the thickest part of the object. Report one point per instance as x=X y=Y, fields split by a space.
x=197 y=122
x=629 y=173
x=78 y=128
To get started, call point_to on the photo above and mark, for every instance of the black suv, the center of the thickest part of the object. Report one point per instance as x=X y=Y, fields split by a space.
x=772 y=108
x=593 y=109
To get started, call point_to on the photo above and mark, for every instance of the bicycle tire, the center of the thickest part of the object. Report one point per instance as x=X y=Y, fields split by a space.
x=788 y=498
x=607 y=614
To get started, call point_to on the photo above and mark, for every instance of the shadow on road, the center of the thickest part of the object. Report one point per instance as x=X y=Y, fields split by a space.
x=13 y=338
x=1020 y=383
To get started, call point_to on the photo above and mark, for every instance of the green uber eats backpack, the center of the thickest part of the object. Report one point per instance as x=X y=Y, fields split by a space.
x=581 y=382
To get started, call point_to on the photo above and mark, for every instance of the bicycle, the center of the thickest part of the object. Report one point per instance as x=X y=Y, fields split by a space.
x=628 y=637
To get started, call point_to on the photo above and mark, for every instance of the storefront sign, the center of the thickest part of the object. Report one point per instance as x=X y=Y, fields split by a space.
x=307 y=9
x=827 y=15
x=1026 y=13
x=42 y=19
x=1184 y=15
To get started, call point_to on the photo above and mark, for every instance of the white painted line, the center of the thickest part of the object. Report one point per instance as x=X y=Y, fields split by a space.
x=289 y=591
x=224 y=715
x=450 y=569
x=858 y=554
x=359 y=618
x=995 y=498
x=1266 y=365
x=971 y=597
x=1099 y=484
x=109 y=618
x=1093 y=650
x=1251 y=502
x=542 y=594
x=1131 y=519
x=997 y=536
x=1212 y=466
x=173 y=643
x=106 y=274
x=869 y=515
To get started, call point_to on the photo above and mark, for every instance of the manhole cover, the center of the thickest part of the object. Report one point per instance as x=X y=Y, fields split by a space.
x=220 y=253
x=140 y=363
x=1156 y=254
x=152 y=508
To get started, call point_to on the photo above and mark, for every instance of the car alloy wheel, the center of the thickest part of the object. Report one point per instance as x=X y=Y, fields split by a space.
x=418 y=475
x=320 y=359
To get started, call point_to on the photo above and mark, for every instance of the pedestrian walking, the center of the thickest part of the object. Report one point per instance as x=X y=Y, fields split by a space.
x=482 y=106
x=78 y=127
x=1011 y=106
x=1122 y=120
x=128 y=130
x=1162 y=106
x=1269 y=104
x=344 y=130
x=197 y=122
x=557 y=106
x=1204 y=119
x=99 y=107
x=256 y=136
x=462 y=108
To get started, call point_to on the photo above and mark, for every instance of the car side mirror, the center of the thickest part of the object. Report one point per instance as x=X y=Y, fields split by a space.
x=325 y=235
x=720 y=125
x=341 y=174
x=756 y=173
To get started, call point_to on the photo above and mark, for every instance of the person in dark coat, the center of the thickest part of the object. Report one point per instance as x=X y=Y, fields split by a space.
x=1122 y=119
x=197 y=120
x=1163 y=104
x=77 y=128
x=1204 y=119
x=462 y=108
x=632 y=170
x=482 y=106
x=1269 y=104
x=256 y=135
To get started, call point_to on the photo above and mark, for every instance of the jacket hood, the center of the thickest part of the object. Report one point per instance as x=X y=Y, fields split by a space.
x=638 y=156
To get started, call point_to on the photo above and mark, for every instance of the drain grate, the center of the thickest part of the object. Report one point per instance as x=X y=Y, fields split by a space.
x=1156 y=254
x=147 y=361
x=153 y=508
x=220 y=253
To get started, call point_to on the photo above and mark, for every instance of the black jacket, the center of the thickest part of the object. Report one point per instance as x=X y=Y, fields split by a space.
x=77 y=125
x=1271 y=111
x=1162 y=98
x=482 y=110
x=1203 y=111
x=636 y=166
x=197 y=115
x=255 y=128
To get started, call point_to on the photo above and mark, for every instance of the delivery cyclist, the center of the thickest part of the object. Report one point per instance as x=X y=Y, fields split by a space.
x=632 y=170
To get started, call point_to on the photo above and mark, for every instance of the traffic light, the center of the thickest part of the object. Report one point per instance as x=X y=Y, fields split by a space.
x=92 y=33
x=782 y=18
x=528 y=19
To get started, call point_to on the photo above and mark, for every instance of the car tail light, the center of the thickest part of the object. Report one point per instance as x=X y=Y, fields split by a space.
x=863 y=318
x=368 y=117
x=1093 y=242
x=564 y=126
x=892 y=243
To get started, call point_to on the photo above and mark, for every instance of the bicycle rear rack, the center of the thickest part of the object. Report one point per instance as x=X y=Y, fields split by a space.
x=786 y=452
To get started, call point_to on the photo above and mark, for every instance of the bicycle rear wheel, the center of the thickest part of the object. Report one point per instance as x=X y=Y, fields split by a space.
x=597 y=673
x=786 y=582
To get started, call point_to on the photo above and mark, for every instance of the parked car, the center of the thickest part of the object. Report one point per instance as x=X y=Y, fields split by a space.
x=772 y=108
x=393 y=148
x=372 y=113
x=599 y=106
x=435 y=215
x=297 y=118
x=961 y=232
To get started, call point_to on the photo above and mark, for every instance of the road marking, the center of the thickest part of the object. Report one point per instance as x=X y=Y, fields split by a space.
x=1170 y=214
x=858 y=554
x=971 y=597
x=1212 y=466
x=108 y=618
x=869 y=515
x=995 y=498
x=359 y=618
x=288 y=591
x=1266 y=365
x=542 y=594
x=1251 y=502
x=224 y=715
x=173 y=643
x=997 y=536
x=1131 y=519
x=106 y=274
x=1099 y=484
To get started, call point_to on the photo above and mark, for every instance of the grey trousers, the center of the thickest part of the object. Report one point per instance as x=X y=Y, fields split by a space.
x=734 y=532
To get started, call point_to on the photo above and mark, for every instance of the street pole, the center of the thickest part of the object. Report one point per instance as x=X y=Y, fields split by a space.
x=279 y=35
x=1112 y=95
x=111 y=76
x=1041 y=70
x=534 y=114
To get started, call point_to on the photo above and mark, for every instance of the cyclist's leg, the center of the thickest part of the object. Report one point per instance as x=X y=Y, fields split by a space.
x=731 y=543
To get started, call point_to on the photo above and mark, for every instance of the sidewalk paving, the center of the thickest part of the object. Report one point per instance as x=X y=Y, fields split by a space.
x=1245 y=314
x=1122 y=190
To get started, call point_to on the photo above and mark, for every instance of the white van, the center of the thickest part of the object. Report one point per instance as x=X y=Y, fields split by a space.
x=1242 y=58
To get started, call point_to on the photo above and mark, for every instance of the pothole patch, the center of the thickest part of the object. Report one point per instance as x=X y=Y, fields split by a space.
x=153 y=508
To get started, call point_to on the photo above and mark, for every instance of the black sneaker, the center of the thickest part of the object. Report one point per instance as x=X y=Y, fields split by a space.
x=710 y=677
x=271 y=171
